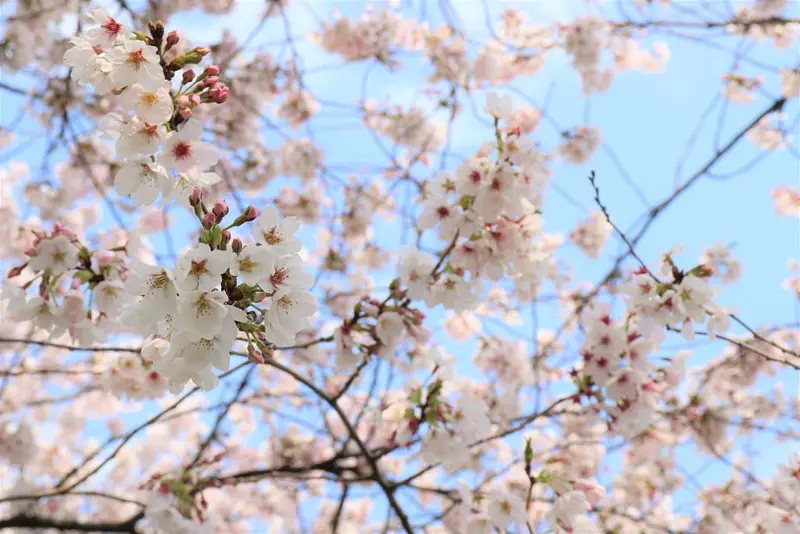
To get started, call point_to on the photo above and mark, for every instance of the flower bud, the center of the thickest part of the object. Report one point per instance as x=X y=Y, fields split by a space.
x=226 y=238
x=194 y=99
x=236 y=245
x=220 y=209
x=209 y=220
x=190 y=57
x=172 y=39
x=156 y=29
x=250 y=213
x=254 y=356
x=16 y=271
x=218 y=93
x=188 y=76
x=212 y=70
x=185 y=112
x=211 y=81
x=196 y=197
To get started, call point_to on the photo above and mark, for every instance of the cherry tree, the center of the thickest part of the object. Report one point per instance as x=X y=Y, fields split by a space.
x=211 y=324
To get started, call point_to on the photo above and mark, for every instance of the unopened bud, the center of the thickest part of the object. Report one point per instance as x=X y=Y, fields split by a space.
x=16 y=271
x=172 y=38
x=218 y=93
x=211 y=81
x=185 y=113
x=194 y=99
x=182 y=101
x=254 y=356
x=212 y=70
x=209 y=220
x=188 y=76
x=220 y=210
x=196 y=197
x=236 y=245
x=156 y=29
x=226 y=238
x=250 y=213
x=202 y=51
x=30 y=252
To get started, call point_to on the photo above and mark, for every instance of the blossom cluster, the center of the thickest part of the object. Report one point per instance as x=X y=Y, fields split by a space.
x=163 y=134
x=103 y=327
x=486 y=211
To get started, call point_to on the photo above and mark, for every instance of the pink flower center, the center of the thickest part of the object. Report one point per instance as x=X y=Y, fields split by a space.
x=111 y=27
x=182 y=150
x=136 y=59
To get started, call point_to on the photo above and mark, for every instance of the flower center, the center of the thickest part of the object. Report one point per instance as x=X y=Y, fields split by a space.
x=279 y=276
x=136 y=59
x=111 y=27
x=149 y=99
x=202 y=306
x=182 y=150
x=247 y=265
x=198 y=268
x=272 y=237
x=158 y=281
x=150 y=130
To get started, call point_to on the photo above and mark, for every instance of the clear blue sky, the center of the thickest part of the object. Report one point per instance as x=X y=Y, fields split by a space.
x=646 y=119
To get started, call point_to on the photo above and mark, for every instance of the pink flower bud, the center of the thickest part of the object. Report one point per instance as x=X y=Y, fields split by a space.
x=172 y=38
x=188 y=76
x=220 y=209
x=16 y=271
x=202 y=51
x=185 y=112
x=236 y=245
x=209 y=220
x=30 y=252
x=218 y=93
x=211 y=80
x=196 y=197
x=255 y=356
x=194 y=99
x=212 y=70
x=182 y=100
x=226 y=238
x=250 y=213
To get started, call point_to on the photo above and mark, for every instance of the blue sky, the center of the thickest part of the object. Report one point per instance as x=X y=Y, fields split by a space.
x=645 y=119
